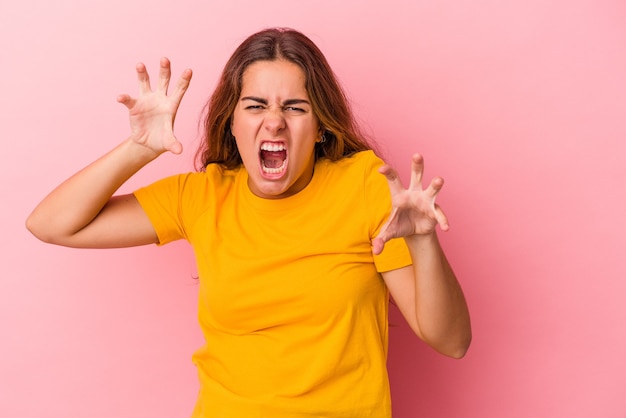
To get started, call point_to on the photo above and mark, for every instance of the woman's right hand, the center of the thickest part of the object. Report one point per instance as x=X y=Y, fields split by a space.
x=152 y=113
x=81 y=211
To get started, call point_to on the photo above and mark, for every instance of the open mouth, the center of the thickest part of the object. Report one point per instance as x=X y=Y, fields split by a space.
x=273 y=157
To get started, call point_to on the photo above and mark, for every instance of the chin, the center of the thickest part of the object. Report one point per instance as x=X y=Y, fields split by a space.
x=270 y=189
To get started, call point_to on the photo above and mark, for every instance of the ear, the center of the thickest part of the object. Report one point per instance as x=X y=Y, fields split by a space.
x=320 y=134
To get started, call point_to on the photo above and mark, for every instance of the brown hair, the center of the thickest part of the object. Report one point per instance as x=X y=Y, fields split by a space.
x=328 y=99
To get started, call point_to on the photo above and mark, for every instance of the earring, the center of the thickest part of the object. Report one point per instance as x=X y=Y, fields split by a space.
x=323 y=137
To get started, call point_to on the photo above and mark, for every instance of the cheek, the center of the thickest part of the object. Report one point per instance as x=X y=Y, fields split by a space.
x=305 y=130
x=246 y=148
x=239 y=125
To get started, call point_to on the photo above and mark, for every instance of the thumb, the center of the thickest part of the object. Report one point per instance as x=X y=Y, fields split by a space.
x=378 y=244
x=175 y=147
x=385 y=234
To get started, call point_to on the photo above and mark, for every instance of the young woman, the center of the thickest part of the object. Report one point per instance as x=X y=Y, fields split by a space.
x=300 y=241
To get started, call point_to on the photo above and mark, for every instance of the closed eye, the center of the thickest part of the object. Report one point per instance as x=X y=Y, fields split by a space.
x=294 y=109
x=293 y=105
x=257 y=104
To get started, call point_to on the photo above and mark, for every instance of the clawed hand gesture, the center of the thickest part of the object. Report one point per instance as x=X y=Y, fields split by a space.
x=414 y=211
x=152 y=113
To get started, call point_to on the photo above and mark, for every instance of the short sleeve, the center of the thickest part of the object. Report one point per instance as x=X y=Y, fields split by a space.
x=162 y=203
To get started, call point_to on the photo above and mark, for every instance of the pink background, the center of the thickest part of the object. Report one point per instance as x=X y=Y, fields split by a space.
x=519 y=104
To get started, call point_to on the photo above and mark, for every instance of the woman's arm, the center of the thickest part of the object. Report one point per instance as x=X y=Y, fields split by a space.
x=430 y=298
x=81 y=212
x=427 y=293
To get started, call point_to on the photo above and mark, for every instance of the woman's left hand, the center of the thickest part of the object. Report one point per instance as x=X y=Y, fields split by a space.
x=414 y=211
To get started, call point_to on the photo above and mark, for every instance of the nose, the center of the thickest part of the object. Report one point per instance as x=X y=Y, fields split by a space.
x=274 y=120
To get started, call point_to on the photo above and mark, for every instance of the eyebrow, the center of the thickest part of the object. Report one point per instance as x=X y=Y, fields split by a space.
x=285 y=103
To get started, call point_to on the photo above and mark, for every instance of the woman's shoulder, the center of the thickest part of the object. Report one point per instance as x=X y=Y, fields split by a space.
x=213 y=176
x=210 y=180
x=359 y=163
x=218 y=173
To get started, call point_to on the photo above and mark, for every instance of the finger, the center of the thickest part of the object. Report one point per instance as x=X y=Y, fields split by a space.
x=175 y=147
x=144 y=79
x=126 y=100
x=434 y=187
x=165 y=73
x=442 y=219
x=395 y=184
x=378 y=245
x=385 y=234
x=182 y=85
x=417 y=171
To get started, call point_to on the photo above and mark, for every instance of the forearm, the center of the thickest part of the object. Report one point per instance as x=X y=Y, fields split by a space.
x=440 y=308
x=79 y=199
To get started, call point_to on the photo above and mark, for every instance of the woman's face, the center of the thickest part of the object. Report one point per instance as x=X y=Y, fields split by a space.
x=275 y=129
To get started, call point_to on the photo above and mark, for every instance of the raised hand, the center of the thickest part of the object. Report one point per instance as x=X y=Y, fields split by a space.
x=414 y=211
x=152 y=113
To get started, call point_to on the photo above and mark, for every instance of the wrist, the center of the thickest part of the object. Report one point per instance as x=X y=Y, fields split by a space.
x=422 y=239
x=138 y=152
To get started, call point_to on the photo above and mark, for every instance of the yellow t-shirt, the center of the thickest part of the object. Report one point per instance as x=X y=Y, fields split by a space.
x=291 y=302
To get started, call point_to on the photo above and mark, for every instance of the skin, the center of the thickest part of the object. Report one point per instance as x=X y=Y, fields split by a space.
x=427 y=293
x=274 y=108
x=82 y=211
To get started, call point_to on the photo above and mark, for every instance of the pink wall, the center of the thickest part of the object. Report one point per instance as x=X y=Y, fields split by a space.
x=520 y=105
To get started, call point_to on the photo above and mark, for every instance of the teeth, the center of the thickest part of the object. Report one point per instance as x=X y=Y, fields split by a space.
x=272 y=146
x=273 y=170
